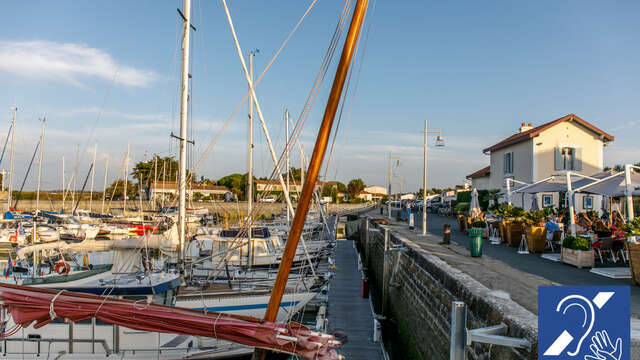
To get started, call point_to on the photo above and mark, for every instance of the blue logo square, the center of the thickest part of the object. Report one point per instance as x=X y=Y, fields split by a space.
x=584 y=322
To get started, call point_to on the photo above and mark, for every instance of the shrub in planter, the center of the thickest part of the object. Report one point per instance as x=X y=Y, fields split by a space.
x=577 y=251
x=479 y=224
x=461 y=207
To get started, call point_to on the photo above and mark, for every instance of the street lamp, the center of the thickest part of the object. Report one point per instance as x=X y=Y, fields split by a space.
x=439 y=143
x=391 y=157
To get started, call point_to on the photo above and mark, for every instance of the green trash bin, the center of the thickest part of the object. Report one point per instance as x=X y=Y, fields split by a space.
x=475 y=241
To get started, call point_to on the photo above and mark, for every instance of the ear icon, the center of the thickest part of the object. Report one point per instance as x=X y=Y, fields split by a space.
x=565 y=339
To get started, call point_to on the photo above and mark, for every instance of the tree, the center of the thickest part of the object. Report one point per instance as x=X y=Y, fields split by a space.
x=167 y=168
x=294 y=174
x=237 y=183
x=354 y=187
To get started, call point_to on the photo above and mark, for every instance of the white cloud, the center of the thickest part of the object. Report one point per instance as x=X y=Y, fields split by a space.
x=68 y=62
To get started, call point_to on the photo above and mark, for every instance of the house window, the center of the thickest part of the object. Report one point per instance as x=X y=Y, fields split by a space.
x=508 y=163
x=547 y=201
x=568 y=158
x=587 y=202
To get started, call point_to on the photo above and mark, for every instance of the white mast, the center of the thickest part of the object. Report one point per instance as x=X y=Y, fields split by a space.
x=44 y=121
x=93 y=174
x=184 y=99
x=250 y=172
x=126 y=176
x=104 y=186
x=13 y=133
x=64 y=189
x=286 y=151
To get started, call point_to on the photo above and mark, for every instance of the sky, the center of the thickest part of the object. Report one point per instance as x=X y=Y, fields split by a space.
x=107 y=73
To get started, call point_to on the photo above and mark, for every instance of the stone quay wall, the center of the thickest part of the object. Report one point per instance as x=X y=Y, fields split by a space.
x=414 y=291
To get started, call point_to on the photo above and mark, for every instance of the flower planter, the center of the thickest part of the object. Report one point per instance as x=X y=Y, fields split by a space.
x=536 y=237
x=634 y=261
x=502 y=231
x=578 y=258
x=513 y=232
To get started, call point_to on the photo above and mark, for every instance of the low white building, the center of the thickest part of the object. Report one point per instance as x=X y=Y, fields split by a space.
x=169 y=189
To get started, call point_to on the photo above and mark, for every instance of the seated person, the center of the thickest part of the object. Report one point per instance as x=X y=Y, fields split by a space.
x=551 y=226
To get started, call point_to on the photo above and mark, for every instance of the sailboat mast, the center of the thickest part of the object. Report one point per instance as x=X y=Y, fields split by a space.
x=250 y=171
x=44 y=121
x=316 y=160
x=286 y=151
x=13 y=133
x=93 y=175
x=64 y=189
x=104 y=185
x=182 y=181
x=126 y=177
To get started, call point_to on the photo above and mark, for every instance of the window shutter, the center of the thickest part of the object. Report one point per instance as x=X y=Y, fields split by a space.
x=577 y=159
x=558 y=159
x=504 y=163
x=511 y=162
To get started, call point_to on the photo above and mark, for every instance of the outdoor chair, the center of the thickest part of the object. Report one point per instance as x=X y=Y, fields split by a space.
x=558 y=236
x=624 y=253
x=606 y=245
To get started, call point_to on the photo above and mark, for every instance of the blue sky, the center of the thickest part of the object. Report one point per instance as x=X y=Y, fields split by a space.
x=474 y=69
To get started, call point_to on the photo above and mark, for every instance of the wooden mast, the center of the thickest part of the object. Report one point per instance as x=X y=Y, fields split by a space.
x=316 y=160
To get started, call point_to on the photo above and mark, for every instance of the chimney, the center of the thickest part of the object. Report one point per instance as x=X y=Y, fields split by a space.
x=525 y=127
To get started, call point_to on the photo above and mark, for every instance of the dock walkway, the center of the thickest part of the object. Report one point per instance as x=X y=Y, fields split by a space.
x=348 y=312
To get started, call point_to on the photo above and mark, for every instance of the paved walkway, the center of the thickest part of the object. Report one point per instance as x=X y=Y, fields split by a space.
x=348 y=312
x=556 y=272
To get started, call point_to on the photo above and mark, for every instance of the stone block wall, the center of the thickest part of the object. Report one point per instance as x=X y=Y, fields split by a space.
x=420 y=288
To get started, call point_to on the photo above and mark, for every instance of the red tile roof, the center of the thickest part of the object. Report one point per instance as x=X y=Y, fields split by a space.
x=526 y=135
x=480 y=173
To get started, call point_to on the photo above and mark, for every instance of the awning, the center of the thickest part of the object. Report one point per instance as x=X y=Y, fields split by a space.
x=613 y=186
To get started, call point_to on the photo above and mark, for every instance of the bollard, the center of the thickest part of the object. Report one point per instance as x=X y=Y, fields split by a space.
x=365 y=287
x=411 y=221
x=446 y=234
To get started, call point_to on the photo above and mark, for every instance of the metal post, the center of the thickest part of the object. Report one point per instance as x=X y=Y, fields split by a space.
x=571 y=205
x=70 y=337
x=104 y=186
x=385 y=272
x=458 y=331
x=508 y=191
x=628 y=191
x=64 y=190
x=389 y=188
x=184 y=104
x=93 y=175
x=13 y=136
x=250 y=171
x=286 y=151
x=424 y=184
x=366 y=241
x=44 y=120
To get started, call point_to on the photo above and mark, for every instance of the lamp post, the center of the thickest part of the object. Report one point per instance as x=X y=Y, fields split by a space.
x=391 y=157
x=439 y=143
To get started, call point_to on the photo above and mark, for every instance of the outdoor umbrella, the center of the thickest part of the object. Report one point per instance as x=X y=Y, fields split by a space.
x=613 y=186
x=474 y=206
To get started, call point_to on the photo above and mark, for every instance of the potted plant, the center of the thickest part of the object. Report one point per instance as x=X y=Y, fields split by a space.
x=475 y=238
x=632 y=230
x=512 y=223
x=535 y=231
x=577 y=251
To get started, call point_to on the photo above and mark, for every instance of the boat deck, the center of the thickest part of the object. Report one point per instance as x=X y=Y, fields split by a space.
x=348 y=312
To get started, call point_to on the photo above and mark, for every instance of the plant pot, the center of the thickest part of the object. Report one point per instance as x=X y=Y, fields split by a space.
x=513 y=232
x=578 y=258
x=501 y=229
x=536 y=237
x=475 y=241
x=634 y=261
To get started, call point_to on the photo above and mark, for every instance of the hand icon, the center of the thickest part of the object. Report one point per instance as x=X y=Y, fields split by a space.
x=603 y=349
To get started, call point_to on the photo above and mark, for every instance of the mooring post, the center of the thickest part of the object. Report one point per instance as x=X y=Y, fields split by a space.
x=458 y=330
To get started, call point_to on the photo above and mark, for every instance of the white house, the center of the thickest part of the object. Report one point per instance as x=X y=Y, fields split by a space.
x=535 y=153
x=161 y=189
